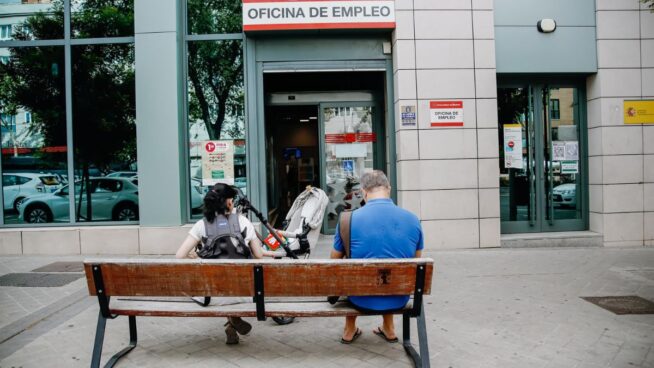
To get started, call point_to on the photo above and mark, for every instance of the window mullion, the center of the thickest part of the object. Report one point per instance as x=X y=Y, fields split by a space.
x=69 y=114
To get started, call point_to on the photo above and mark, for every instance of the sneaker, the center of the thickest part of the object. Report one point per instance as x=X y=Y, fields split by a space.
x=232 y=336
x=240 y=325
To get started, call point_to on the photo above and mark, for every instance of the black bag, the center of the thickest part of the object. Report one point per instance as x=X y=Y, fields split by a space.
x=224 y=239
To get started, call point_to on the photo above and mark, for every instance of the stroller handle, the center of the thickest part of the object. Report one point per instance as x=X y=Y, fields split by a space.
x=247 y=206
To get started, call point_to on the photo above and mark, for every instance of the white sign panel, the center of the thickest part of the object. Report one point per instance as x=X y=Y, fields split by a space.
x=218 y=162
x=572 y=151
x=351 y=150
x=569 y=167
x=558 y=150
x=266 y=15
x=513 y=146
x=446 y=113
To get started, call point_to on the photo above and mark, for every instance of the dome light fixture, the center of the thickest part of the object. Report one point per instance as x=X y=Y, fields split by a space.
x=546 y=25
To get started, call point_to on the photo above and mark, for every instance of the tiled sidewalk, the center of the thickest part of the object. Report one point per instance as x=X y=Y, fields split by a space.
x=488 y=308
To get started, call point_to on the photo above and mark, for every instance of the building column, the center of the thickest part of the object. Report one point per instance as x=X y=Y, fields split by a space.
x=621 y=157
x=159 y=136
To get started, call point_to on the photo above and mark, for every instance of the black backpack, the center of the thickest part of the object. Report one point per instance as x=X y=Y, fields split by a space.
x=224 y=239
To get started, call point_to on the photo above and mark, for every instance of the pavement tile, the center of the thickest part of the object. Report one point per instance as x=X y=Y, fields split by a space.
x=489 y=308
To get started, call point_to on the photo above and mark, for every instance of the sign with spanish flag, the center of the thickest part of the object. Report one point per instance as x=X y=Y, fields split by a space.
x=639 y=111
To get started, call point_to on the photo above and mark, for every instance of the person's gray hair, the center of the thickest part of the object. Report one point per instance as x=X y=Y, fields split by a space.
x=374 y=179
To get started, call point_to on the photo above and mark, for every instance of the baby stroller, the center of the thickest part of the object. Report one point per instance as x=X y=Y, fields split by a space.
x=301 y=227
x=303 y=221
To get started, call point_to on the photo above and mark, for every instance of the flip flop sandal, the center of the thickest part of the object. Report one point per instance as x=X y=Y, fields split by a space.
x=356 y=336
x=380 y=332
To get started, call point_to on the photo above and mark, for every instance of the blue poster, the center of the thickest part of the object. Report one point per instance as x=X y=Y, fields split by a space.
x=348 y=166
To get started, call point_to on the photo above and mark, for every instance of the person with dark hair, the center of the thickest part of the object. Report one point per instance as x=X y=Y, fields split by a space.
x=219 y=210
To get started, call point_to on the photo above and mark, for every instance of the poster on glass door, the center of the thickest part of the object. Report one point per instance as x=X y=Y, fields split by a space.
x=218 y=162
x=513 y=146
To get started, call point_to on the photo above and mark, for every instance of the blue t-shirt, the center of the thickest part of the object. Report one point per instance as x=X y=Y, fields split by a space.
x=380 y=229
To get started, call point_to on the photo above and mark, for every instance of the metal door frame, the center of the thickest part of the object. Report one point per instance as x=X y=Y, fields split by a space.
x=538 y=197
x=255 y=114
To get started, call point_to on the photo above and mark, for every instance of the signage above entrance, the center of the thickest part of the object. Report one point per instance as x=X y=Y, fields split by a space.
x=266 y=15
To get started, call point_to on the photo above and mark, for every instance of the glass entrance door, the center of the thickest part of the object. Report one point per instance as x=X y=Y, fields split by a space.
x=542 y=165
x=350 y=148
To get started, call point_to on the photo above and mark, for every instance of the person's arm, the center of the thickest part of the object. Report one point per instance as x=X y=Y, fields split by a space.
x=336 y=254
x=338 y=251
x=187 y=249
x=418 y=254
x=258 y=251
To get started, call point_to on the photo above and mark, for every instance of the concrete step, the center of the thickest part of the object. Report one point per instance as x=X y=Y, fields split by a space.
x=555 y=239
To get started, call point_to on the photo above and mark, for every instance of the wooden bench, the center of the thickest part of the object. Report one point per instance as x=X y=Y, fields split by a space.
x=122 y=284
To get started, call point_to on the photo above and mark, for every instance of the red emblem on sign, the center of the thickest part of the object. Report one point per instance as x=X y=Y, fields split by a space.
x=210 y=147
x=511 y=144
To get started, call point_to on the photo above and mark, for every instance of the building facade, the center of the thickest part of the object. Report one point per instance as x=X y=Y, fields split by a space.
x=500 y=123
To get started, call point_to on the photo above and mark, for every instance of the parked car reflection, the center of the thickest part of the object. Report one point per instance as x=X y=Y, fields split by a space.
x=112 y=199
x=197 y=195
x=565 y=195
x=18 y=186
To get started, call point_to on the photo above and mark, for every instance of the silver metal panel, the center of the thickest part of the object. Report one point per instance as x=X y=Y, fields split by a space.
x=567 y=50
x=314 y=98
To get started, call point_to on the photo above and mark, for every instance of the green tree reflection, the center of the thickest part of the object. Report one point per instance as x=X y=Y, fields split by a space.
x=103 y=103
x=215 y=68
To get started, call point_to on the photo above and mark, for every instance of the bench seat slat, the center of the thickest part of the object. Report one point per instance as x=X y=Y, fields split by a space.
x=180 y=308
x=230 y=278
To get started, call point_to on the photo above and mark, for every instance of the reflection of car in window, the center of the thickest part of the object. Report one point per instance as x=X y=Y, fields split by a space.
x=565 y=195
x=112 y=199
x=122 y=174
x=17 y=186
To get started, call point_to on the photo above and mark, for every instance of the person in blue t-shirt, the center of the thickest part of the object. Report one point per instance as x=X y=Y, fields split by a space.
x=380 y=229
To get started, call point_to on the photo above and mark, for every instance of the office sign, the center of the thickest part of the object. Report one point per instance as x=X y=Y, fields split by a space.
x=639 y=112
x=267 y=15
x=446 y=113
x=218 y=162
x=513 y=146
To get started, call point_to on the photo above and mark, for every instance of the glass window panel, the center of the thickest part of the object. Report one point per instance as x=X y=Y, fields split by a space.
x=215 y=117
x=517 y=181
x=104 y=132
x=214 y=16
x=349 y=153
x=34 y=152
x=22 y=20
x=563 y=155
x=102 y=18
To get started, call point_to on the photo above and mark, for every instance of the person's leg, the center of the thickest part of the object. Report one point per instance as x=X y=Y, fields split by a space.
x=240 y=325
x=230 y=332
x=350 y=328
x=387 y=329
x=389 y=326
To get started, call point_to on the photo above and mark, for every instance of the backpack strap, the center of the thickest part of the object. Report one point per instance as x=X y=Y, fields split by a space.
x=345 y=230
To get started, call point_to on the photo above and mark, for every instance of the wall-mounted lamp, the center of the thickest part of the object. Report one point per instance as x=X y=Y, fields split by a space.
x=546 y=25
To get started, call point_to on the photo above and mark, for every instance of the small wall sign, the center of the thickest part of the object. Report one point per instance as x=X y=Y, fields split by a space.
x=446 y=113
x=639 y=111
x=408 y=115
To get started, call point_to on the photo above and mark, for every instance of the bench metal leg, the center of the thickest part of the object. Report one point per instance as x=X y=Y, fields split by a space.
x=132 y=343
x=419 y=360
x=99 y=339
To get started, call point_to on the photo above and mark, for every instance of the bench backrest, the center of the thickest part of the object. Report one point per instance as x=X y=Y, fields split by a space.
x=277 y=278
